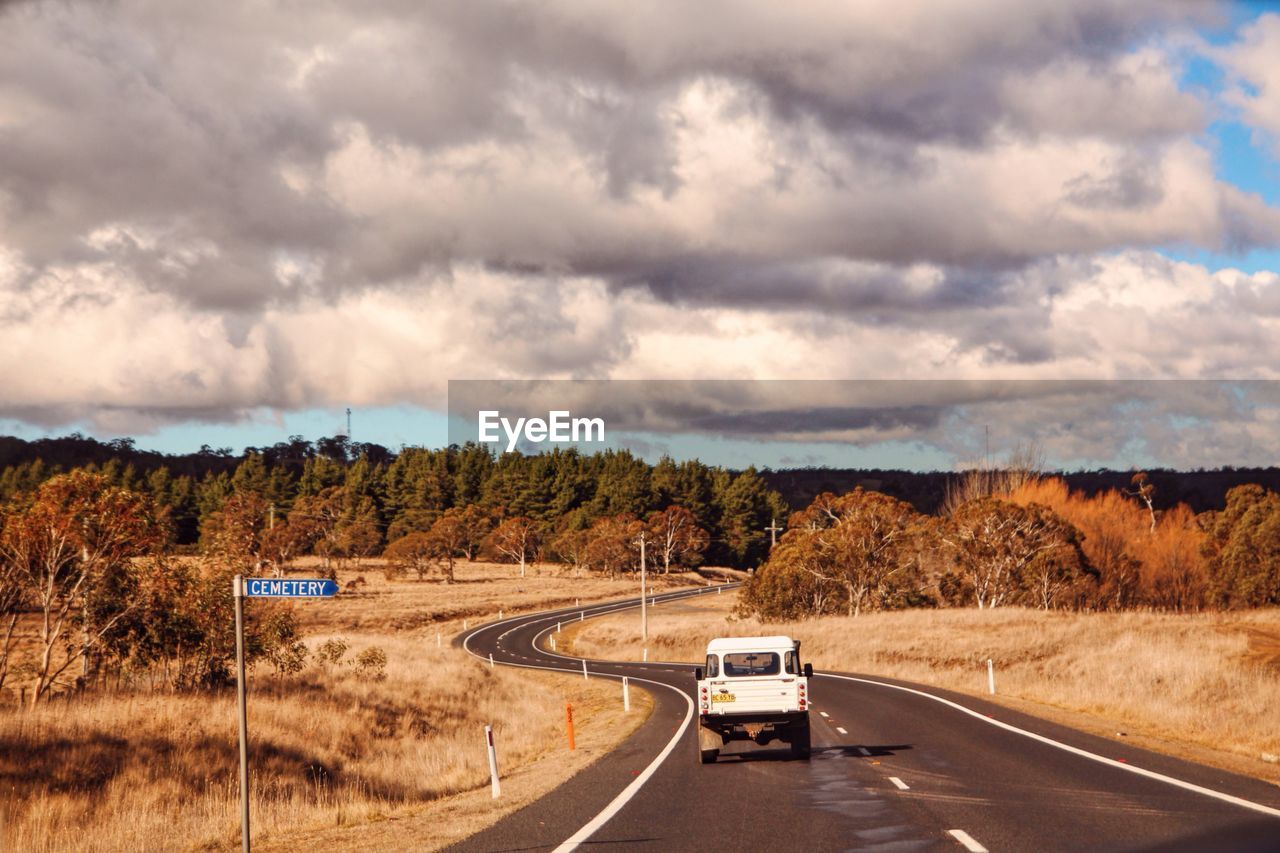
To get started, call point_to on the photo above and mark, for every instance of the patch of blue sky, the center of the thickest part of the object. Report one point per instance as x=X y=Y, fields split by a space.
x=1236 y=15
x=1242 y=156
x=390 y=426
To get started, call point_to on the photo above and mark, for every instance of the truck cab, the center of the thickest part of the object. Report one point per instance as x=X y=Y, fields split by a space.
x=753 y=688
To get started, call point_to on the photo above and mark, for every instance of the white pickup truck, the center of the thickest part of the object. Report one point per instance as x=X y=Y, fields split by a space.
x=753 y=688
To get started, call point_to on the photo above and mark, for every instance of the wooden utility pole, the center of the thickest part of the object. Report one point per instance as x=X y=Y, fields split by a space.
x=644 y=613
x=773 y=529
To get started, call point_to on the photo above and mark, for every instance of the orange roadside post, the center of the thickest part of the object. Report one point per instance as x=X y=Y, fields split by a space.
x=568 y=716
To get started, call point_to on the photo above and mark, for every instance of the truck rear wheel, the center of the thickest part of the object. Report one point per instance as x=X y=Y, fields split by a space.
x=708 y=756
x=800 y=742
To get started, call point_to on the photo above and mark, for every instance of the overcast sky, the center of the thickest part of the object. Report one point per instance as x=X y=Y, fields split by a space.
x=227 y=222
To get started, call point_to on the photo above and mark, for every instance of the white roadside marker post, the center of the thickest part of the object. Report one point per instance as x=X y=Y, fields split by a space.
x=991 y=677
x=553 y=643
x=439 y=640
x=490 y=660
x=584 y=669
x=626 y=695
x=557 y=627
x=495 y=785
x=645 y=654
x=499 y=614
x=464 y=624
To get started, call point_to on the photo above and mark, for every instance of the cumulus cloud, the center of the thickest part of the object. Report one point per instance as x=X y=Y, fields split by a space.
x=1251 y=62
x=97 y=342
x=358 y=204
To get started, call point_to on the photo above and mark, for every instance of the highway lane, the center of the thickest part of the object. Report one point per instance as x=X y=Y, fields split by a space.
x=892 y=770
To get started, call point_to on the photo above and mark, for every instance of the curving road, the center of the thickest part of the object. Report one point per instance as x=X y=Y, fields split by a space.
x=895 y=767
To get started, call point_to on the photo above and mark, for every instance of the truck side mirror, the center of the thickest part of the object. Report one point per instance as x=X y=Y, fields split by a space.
x=697 y=674
x=808 y=670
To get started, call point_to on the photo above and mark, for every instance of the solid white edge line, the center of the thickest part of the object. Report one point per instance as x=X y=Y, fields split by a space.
x=606 y=814
x=899 y=784
x=1074 y=750
x=627 y=793
x=967 y=840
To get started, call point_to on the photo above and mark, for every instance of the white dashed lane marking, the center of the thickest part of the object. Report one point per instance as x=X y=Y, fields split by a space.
x=967 y=840
x=901 y=786
x=842 y=730
x=824 y=713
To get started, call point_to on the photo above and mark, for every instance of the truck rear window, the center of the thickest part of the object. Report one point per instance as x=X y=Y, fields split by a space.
x=751 y=663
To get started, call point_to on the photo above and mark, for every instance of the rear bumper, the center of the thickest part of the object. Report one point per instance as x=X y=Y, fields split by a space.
x=761 y=728
x=774 y=718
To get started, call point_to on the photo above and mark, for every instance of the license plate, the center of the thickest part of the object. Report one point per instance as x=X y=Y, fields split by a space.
x=723 y=697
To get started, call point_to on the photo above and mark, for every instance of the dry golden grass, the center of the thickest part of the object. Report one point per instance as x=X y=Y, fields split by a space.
x=1204 y=686
x=332 y=751
x=481 y=590
x=598 y=723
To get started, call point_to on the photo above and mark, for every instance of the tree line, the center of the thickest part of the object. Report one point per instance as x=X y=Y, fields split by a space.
x=1024 y=540
x=126 y=574
x=125 y=571
x=344 y=501
x=88 y=562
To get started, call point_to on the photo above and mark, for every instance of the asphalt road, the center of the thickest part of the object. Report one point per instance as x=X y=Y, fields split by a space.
x=895 y=767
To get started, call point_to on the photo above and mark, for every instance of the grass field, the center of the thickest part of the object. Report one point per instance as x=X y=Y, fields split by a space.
x=397 y=763
x=1205 y=686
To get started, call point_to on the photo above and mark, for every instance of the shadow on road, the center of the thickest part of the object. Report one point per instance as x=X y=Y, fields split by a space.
x=749 y=753
x=863 y=750
x=759 y=753
x=1246 y=836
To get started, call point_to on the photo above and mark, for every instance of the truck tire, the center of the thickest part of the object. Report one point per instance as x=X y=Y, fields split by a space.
x=708 y=756
x=800 y=744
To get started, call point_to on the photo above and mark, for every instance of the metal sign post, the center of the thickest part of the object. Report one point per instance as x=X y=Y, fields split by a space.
x=238 y=588
x=241 y=588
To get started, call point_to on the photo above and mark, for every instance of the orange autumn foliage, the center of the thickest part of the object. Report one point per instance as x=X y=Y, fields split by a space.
x=1161 y=568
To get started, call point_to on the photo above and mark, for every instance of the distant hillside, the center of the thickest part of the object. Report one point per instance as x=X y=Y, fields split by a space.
x=1201 y=490
x=77 y=451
